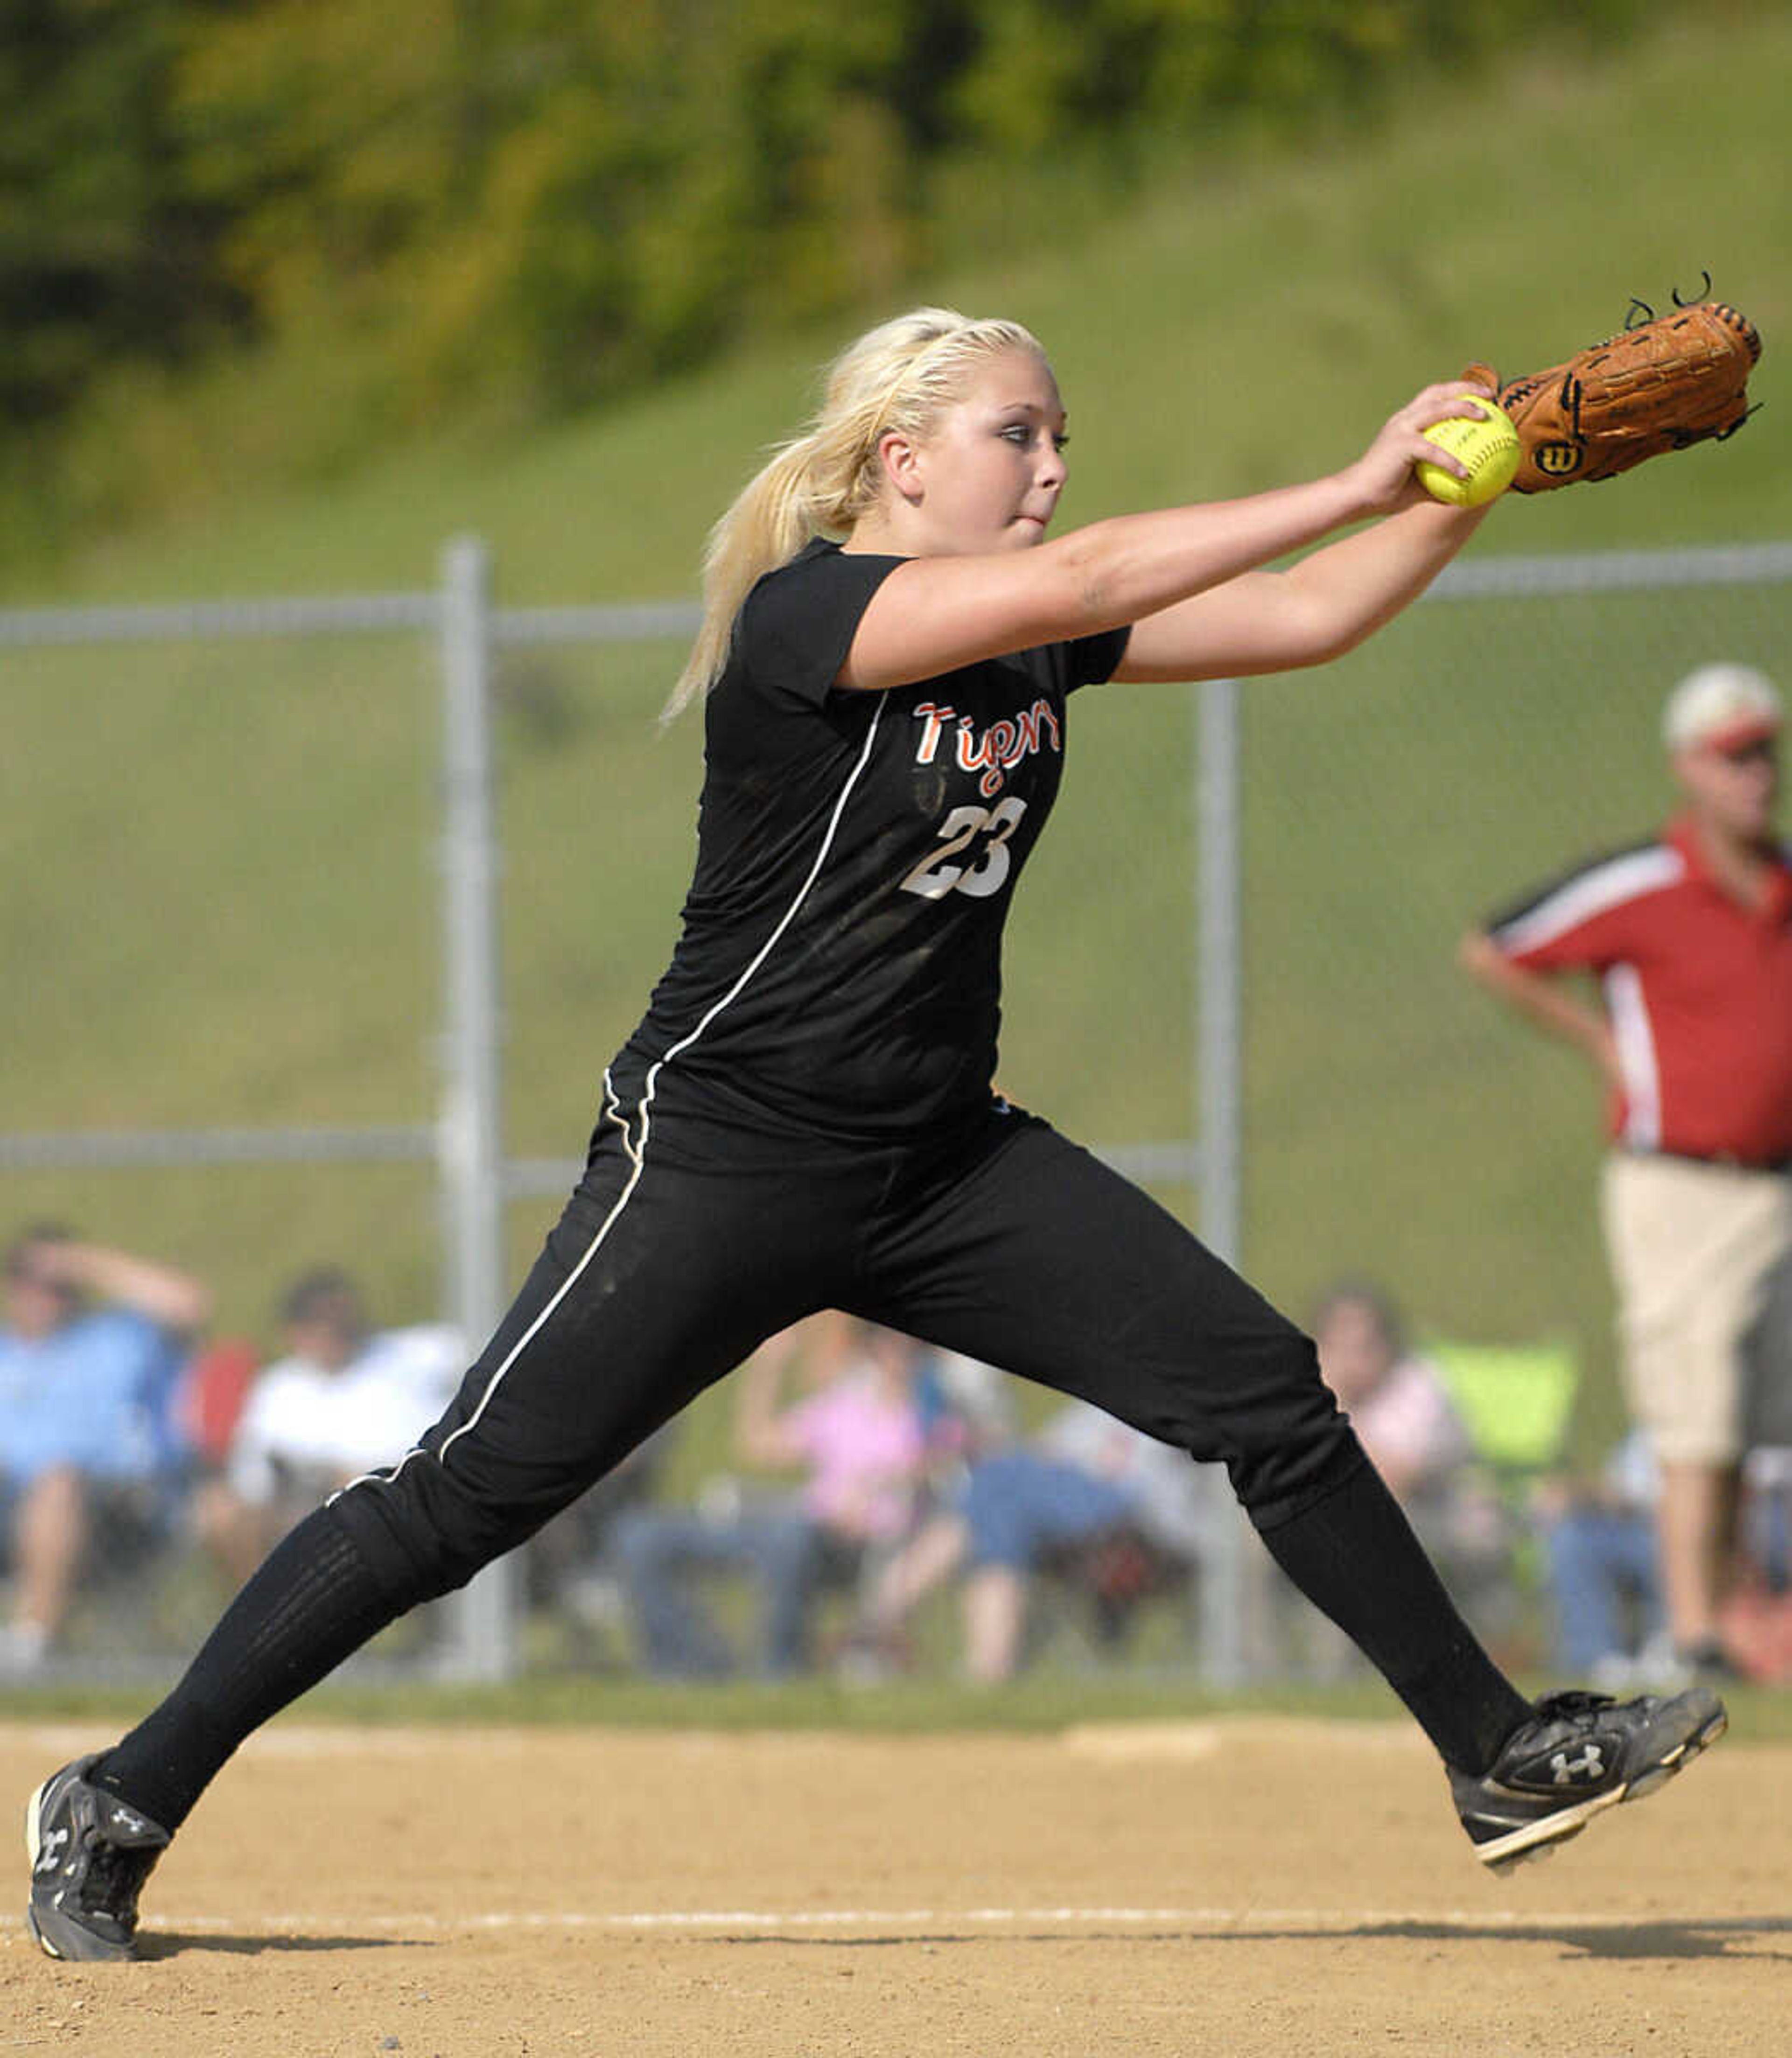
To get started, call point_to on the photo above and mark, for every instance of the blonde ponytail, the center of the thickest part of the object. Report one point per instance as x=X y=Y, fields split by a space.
x=898 y=376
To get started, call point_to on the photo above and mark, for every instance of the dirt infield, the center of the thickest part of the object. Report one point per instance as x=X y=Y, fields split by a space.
x=1247 y=1886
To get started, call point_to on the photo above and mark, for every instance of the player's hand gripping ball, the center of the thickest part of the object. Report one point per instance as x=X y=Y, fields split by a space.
x=1488 y=447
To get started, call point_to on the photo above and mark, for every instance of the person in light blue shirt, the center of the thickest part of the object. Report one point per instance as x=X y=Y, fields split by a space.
x=93 y=1343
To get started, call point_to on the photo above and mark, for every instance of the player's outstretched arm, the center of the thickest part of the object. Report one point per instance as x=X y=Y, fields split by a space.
x=936 y=613
x=1328 y=602
x=1308 y=614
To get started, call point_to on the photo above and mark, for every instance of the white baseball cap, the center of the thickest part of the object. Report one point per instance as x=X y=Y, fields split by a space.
x=1720 y=707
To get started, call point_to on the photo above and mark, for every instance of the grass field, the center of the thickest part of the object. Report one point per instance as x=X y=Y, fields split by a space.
x=1043 y=1699
x=224 y=854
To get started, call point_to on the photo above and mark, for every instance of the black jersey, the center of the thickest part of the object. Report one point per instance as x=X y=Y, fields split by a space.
x=840 y=966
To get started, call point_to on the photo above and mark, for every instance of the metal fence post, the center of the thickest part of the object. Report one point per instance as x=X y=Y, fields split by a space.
x=1225 y=1587
x=482 y=1640
x=1218 y=1000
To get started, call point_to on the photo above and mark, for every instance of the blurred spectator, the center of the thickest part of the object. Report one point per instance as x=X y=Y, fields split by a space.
x=1604 y=1571
x=1757 y=1616
x=92 y=1346
x=1404 y=1419
x=859 y=1438
x=345 y=1399
x=1689 y=935
x=1088 y=1493
x=1415 y=1436
x=1767 y=1516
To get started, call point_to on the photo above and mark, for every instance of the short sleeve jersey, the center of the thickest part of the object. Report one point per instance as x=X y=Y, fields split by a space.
x=839 y=968
x=1698 y=989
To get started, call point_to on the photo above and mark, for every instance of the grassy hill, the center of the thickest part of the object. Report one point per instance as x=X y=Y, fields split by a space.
x=222 y=856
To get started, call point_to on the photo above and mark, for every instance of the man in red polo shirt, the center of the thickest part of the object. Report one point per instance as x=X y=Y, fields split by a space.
x=1690 y=936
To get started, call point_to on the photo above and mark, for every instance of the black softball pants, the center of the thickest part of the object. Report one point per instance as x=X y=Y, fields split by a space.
x=690 y=1241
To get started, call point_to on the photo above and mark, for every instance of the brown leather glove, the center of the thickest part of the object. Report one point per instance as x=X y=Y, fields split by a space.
x=1667 y=382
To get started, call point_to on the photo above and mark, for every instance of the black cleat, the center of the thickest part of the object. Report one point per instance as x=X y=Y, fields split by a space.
x=1579 y=1752
x=90 y=1854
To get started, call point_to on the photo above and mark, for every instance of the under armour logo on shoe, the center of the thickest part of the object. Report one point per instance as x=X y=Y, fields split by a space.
x=133 y=1825
x=1567 y=1770
x=50 y=1850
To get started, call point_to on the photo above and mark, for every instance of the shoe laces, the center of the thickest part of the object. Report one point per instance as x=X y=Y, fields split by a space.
x=1571 y=1703
x=114 y=1875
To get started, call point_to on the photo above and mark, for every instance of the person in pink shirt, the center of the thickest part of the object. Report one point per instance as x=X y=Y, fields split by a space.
x=858 y=1435
x=1415 y=1438
x=858 y=1440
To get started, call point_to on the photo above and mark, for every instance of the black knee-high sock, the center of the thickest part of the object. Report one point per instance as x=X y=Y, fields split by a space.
x=313 y=1604
x=1356 y=1558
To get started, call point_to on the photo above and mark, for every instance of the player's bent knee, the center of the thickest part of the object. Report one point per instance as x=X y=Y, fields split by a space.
x=418 y=1548
x=1295 y=1446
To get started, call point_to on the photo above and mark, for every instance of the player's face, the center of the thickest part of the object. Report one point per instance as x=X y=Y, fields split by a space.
x=992 y=467
x=1736 y=791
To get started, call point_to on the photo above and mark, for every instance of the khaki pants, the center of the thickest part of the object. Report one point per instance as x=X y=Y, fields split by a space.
x=1691 y=1245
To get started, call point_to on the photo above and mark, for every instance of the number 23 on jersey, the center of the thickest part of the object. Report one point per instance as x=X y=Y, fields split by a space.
x=972 y=856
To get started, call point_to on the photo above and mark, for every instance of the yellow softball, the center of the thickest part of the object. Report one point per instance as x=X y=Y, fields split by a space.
x=1489 y=448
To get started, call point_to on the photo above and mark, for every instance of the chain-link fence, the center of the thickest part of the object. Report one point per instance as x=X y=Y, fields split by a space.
x=1397 y=1121
x=257 y=902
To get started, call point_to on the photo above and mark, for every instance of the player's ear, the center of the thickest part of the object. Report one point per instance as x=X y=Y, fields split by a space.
x=900 y=456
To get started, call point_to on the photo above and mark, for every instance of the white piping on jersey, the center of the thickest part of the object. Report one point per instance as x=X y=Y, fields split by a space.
x=636 y=1149
x=1636 y=1056
x=765 y=949
x=1591 y=893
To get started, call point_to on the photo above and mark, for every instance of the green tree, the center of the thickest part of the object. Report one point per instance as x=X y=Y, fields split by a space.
x=105 y=254
x=523 y=206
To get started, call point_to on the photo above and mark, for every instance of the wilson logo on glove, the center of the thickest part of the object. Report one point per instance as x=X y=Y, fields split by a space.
x=1663 y=383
